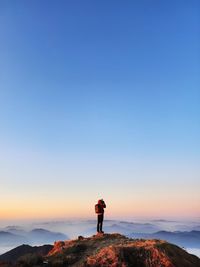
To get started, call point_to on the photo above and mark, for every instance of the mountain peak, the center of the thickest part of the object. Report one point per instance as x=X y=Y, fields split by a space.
x=118 y=250
x=114 y=250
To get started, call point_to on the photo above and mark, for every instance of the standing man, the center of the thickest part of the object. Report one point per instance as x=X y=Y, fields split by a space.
x=99 y=209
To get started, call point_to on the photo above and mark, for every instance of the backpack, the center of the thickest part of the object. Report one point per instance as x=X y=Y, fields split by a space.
x=97 y=208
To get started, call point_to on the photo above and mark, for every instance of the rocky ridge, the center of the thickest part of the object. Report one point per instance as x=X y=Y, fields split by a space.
x=113 y=250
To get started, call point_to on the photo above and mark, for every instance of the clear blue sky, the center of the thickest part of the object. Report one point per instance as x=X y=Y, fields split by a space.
x=100 y=98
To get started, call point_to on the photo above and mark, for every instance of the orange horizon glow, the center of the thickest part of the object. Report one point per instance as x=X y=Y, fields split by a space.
x=176 y=204
x=125 y=210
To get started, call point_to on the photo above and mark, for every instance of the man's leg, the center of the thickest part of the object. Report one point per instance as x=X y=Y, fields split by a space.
x=101 y=223
x=98 y=222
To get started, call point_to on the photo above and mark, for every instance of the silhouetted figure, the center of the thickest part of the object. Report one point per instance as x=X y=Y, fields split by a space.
x=99 y=209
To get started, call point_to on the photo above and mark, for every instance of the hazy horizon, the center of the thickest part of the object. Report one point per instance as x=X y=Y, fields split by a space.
x=30 y=221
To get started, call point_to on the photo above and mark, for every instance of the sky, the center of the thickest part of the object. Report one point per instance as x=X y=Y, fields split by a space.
x=99 y=99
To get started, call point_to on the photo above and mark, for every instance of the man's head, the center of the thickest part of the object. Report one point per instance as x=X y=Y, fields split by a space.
x=100 y=201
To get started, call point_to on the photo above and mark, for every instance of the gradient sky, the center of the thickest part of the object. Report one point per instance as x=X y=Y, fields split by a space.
x=99 y=99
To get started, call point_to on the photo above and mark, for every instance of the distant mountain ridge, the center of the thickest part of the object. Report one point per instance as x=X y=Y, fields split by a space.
x=125 y=228
x=7 y=238
x=39 y=234
x=185 y=239
x=36 y=236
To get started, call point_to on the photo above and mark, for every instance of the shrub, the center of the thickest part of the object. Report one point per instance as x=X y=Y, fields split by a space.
x=30 y=260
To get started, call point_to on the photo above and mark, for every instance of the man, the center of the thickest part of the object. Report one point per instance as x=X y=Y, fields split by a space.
x=99 y=208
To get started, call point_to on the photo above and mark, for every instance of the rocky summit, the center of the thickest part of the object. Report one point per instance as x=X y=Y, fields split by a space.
x=103 y=250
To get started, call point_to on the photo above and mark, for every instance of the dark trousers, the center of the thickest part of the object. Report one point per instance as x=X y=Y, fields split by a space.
x=99 y=222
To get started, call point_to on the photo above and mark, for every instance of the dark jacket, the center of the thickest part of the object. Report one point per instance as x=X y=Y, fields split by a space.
x=102 y=206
